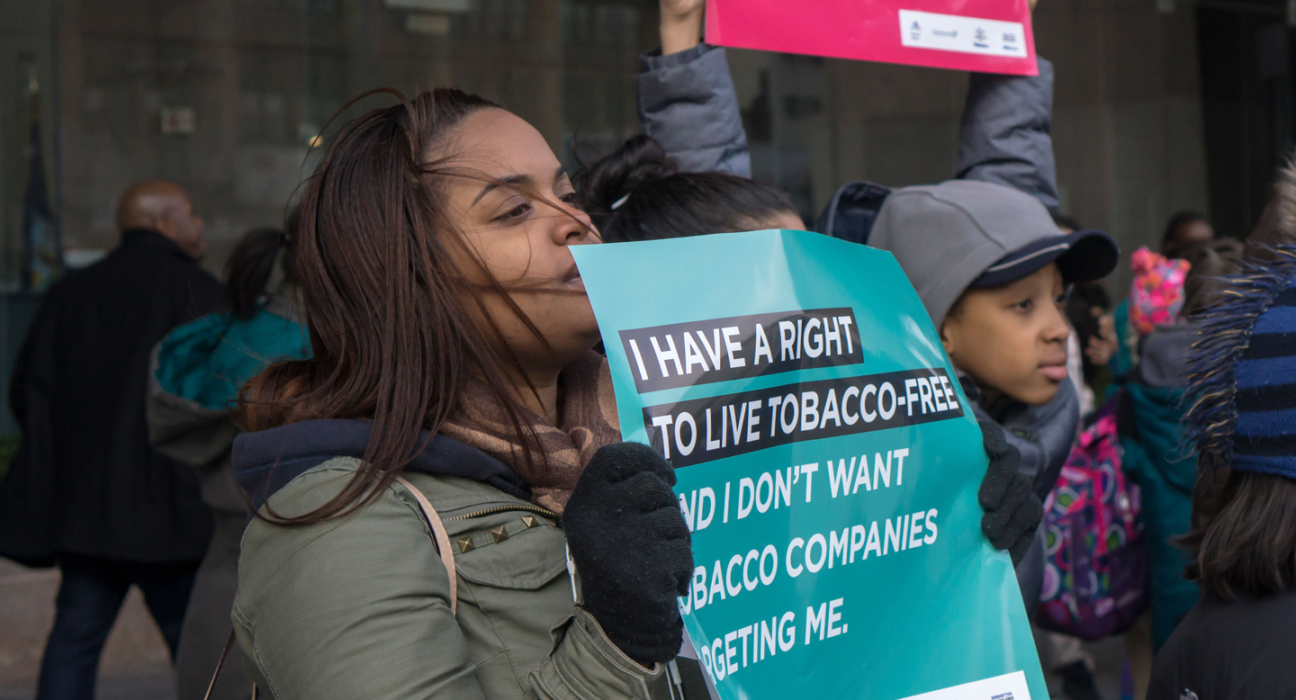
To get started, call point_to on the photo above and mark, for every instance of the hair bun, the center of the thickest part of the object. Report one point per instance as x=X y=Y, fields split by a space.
x=640 y=159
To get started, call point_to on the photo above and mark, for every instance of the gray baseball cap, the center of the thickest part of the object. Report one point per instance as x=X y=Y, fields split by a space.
x=966 y=233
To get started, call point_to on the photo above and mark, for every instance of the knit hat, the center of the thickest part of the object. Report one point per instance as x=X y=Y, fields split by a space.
x=1242 y=382
x=1157 y=292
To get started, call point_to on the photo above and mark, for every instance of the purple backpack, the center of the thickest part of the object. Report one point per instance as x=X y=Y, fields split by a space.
x=1095 y=569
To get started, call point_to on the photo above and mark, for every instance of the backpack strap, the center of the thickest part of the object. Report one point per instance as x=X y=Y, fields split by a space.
x=441 y=538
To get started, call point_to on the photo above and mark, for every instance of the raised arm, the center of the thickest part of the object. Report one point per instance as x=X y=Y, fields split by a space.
x=1005 y=138
x=686 y=96
x=688 y=104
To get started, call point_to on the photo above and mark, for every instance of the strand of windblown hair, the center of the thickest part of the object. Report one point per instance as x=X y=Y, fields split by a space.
x=1211 y=418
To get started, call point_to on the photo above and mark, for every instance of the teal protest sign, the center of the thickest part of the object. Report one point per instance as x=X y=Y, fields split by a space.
x=828 y=464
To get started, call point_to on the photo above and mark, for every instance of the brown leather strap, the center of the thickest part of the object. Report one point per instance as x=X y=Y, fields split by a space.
x=220 y=666
x=442 y=542
x=442 y=539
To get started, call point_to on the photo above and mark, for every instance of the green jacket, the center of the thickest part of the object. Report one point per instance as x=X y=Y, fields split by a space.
x=360 y=607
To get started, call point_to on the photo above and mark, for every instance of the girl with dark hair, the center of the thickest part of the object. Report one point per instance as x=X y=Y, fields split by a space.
x=197 y=372
x=1237 y=642
x=1185 y=229
x=419 y=481
x=638 y=194
x=250 y=267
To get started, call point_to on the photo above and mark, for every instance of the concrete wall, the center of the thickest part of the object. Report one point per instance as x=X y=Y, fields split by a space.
x=1128 y=128
x=263 y=76
x=25 y=52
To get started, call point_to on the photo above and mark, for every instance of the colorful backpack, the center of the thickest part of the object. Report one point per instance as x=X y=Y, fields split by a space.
x=1095 y=571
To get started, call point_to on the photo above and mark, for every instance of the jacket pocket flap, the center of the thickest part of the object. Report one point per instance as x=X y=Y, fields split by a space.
x=525 y=560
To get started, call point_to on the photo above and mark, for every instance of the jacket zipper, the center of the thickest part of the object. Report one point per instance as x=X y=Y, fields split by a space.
x=500 y=509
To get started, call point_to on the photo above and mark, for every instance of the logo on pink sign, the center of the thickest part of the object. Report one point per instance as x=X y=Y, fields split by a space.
x=987 y=36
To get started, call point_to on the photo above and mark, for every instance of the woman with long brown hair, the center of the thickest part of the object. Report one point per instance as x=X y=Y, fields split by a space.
x=410 y=477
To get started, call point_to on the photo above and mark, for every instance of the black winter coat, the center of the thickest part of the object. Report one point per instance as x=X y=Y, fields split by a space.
x=1241 y=650
x=85 y=480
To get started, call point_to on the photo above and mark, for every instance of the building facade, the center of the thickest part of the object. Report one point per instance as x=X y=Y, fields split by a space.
x=1161 y=105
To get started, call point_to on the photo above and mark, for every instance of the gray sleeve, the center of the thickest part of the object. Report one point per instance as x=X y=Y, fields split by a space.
x=688 y=104
x=1005 y=137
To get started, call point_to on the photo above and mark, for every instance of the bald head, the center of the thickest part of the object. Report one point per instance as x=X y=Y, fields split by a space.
x=164 y=207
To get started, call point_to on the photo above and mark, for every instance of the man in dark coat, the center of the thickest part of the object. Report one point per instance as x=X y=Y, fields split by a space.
x=86 y=491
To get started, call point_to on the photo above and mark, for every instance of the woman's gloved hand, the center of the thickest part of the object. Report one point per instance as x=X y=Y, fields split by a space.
x=632 y=549
x=1012 y=510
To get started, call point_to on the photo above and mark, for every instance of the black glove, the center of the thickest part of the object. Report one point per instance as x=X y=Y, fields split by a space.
x=1012 y=510
x=632 y=548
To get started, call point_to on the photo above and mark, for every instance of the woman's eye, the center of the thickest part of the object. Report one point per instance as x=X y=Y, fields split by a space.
x=515 y=212
x=569 y=198
x=1023 y=305
x=1060 y=299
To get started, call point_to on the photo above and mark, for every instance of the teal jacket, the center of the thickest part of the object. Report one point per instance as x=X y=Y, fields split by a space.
x=197 y=372
x=1151 y=433
x=1122 y=361
x=208 y=360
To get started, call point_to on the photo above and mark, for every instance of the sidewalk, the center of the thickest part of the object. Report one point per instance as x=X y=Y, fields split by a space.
x=135 y=664
x=155 y=686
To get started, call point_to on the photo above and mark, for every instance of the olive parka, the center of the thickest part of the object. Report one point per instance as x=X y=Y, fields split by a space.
x=360 y=606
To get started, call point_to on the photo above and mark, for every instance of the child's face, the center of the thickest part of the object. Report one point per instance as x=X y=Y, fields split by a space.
x=1012 y=339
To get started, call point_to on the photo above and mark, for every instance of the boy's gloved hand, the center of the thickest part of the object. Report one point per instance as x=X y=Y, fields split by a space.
x=632 y=548
x=1012 y=510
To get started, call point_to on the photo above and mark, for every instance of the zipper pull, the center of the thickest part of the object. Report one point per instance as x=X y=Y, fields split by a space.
x=571 y=571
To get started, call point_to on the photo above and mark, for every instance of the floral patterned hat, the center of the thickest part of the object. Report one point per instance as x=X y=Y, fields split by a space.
x=1157 y=293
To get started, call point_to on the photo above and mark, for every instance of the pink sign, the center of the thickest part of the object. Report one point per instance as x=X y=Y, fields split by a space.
x=988 y=36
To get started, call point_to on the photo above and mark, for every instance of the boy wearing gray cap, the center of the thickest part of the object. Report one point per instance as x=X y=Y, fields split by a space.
x=991 y=268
